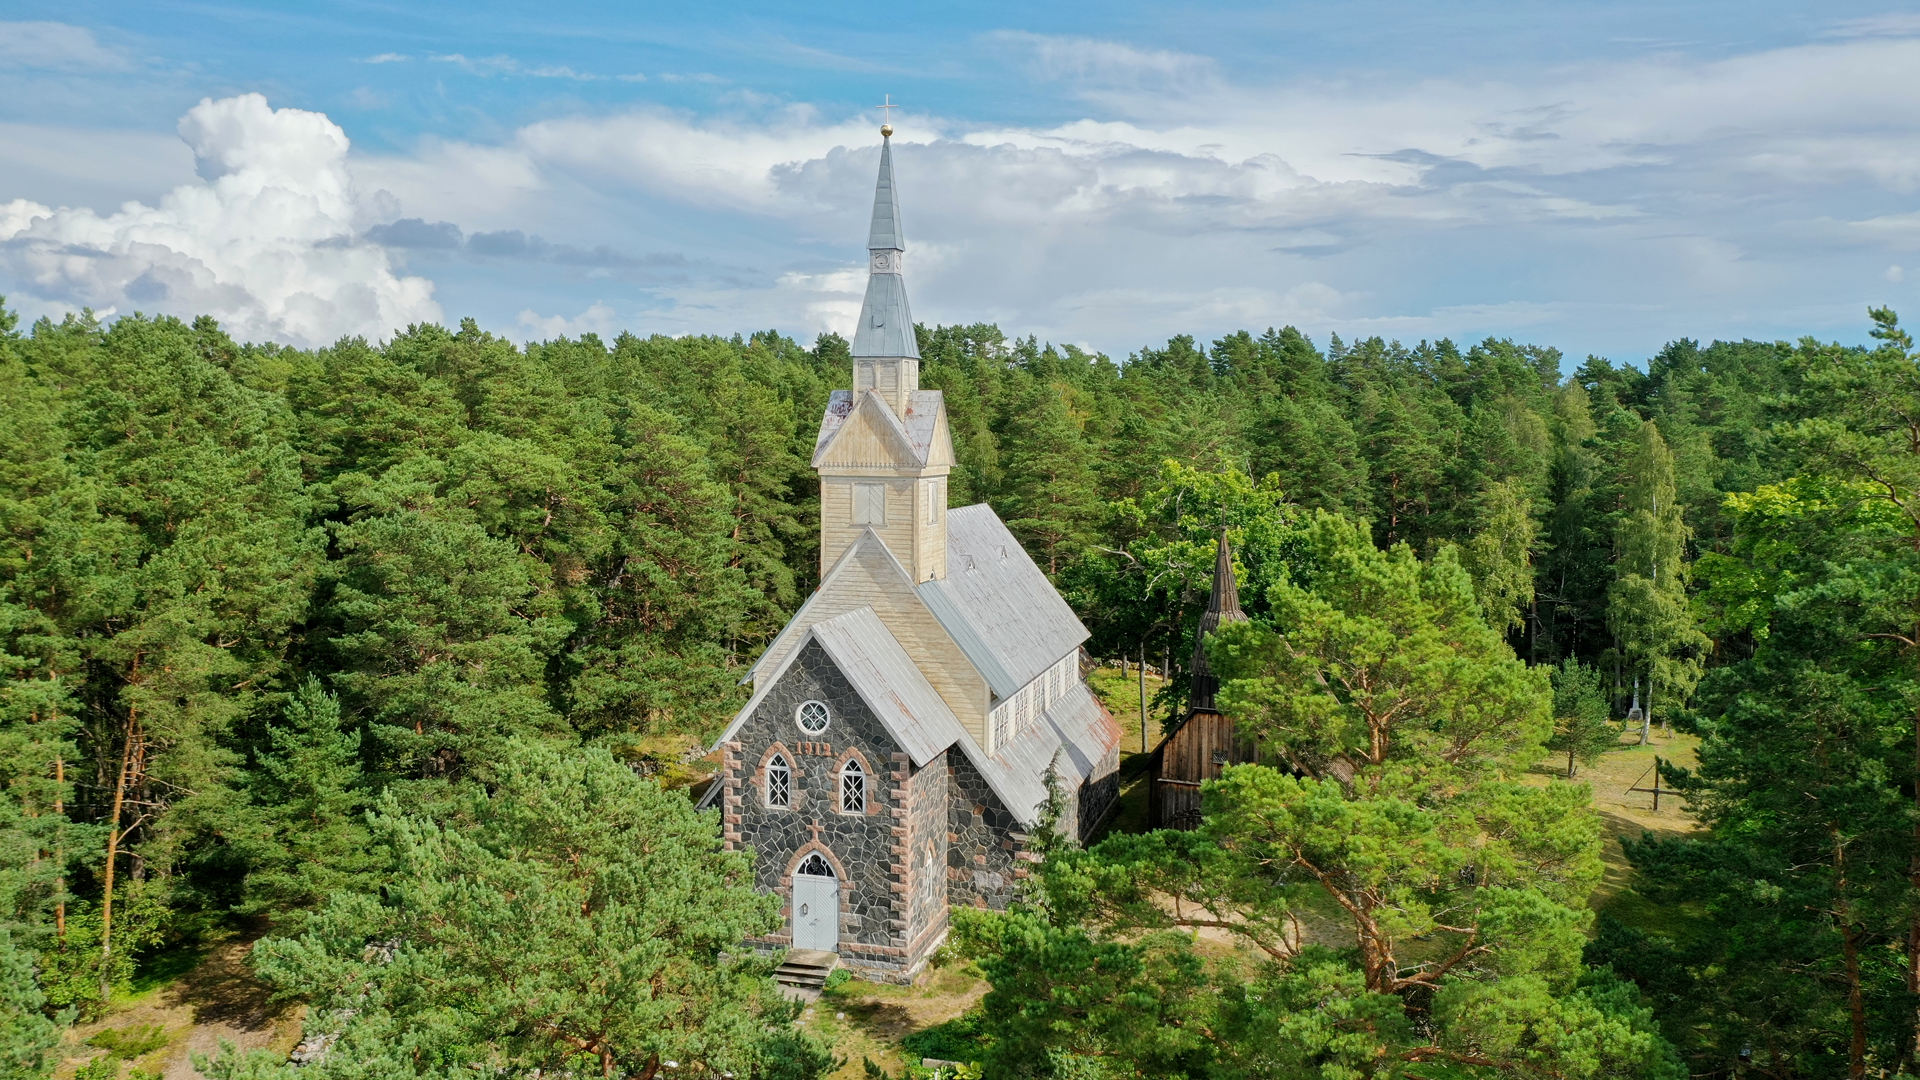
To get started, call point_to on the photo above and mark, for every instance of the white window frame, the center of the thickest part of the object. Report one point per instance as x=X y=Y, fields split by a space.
x=779 y=770
x=850 y=771
x=869 y=503
x=800 y=714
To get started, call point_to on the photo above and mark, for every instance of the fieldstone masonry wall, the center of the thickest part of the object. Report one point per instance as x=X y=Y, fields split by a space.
x=874 y=852
x=982 y=840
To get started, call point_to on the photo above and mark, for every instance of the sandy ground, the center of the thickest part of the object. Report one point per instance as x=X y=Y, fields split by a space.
x=1624 y=812
x=217 y=1000
x=867 y=1020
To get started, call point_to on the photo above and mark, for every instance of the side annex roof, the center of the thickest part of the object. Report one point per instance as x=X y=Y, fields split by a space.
x=1073 y=737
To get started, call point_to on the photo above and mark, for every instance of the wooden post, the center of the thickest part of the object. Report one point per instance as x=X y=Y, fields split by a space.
x=1656 y=783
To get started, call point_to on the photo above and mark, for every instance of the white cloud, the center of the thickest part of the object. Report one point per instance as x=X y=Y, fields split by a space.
x=1093 y=61
x=597 y=319
x=265 y=244
x=1892 y=24
x=56 y=46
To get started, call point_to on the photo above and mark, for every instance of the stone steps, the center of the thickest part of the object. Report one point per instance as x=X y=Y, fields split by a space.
x=806 y=969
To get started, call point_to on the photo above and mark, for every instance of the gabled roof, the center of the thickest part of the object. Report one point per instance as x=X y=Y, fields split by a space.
x=884 y=676
x=1073 y=736
x=868 y=540
x=887 y=679
x=921 y=437
x=997 y=604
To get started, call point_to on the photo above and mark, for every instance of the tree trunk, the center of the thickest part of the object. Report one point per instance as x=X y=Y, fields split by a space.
x=113 y=844
x=60 y=853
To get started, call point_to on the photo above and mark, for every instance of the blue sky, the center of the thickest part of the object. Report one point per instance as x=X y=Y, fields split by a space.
x=1599 y=177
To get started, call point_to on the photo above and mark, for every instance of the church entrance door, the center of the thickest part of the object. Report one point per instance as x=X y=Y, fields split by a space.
x=816 y=906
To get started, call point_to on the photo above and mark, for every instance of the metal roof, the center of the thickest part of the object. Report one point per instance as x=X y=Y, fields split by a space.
x=1008 y=608
x=886 y=234
x=884 y=676
x=1073 y=736
x=917 y=429
x=888 y=680
x=886 y=322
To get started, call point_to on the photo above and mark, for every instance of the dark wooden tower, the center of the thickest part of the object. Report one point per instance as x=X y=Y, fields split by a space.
x=1205 y=741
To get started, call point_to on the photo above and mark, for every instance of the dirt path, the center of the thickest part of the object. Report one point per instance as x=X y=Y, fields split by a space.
x=219 y=999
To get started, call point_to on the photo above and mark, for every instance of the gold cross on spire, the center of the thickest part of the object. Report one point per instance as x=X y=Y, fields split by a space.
x=886 y=127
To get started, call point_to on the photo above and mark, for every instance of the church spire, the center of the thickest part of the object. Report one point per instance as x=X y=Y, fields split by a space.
x=886 y=234
x=886 y=354
x=1223 y=607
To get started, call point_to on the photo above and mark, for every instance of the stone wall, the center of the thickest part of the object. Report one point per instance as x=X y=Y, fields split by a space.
x=859 y=846
x=984 y=842
x=1099 y=795
x=921 y=857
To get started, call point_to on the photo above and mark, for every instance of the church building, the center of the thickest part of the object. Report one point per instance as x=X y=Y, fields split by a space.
x=895 y=756
x=1205 y=741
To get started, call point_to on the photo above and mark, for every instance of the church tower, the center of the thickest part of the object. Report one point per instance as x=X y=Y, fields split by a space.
x=884 y=450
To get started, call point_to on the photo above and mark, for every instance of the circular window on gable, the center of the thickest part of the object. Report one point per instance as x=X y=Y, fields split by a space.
x=812 y=717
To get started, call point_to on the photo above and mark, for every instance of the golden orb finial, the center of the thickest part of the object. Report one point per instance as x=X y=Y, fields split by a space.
x=886 y=131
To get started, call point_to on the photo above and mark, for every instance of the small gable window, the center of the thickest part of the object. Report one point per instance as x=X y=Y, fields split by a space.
x=853 y=789
x=779 y=782
x=813 y=717
x=869 y=504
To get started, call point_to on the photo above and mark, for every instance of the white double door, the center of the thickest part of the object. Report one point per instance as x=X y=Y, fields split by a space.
x=816 y=913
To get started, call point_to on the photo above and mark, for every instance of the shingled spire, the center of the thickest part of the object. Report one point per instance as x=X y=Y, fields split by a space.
x=1223 y=607
x=886 y=355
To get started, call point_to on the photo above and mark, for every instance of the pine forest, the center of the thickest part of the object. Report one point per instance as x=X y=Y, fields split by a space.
x=392 y=671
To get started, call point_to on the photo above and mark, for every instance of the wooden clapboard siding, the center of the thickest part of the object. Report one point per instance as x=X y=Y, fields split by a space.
x=872 y=578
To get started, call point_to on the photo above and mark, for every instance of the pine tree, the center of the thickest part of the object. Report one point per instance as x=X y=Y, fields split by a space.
x=1048 y=495
x=1647 y=606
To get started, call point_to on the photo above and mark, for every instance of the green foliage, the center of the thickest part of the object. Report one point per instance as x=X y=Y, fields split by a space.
x=1407 y=723
x=277 y=583
x=131 y=1042
x=1581 y=727
x=962 y=1038
x=27 y=1033
x=571 y=916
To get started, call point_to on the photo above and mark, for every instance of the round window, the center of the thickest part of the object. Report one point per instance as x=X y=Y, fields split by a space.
x=813 y=717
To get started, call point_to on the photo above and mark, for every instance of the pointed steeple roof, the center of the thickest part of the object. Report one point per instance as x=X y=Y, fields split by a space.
x=886 y=234
x=886 y=322
x=1223 y=607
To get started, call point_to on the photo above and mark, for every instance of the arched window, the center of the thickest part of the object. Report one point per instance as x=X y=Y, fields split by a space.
x=815 y=866
x=779 y=782
x=853 y=788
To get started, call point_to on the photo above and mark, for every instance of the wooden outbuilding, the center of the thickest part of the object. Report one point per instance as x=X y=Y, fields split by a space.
x=1205 y=741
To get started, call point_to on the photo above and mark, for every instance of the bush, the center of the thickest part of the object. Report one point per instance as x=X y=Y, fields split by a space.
x=962 y=1038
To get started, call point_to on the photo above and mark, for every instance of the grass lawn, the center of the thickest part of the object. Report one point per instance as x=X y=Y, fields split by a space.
x=868 y=1020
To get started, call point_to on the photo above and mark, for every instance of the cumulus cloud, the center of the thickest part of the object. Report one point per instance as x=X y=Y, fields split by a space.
x=597 y=319
x=265 y=243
